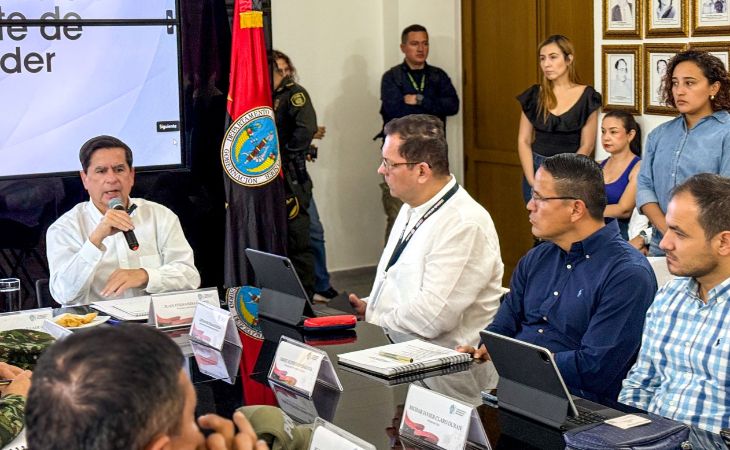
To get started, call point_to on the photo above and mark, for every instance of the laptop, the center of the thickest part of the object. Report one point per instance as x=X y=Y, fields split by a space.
x=283 y=297
x=530 y=385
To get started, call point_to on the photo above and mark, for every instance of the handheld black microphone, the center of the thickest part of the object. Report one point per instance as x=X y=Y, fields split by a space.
x=116 y=203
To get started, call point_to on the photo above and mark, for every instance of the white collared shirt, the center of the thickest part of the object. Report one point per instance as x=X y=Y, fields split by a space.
x=446 y=285
x=80 y=270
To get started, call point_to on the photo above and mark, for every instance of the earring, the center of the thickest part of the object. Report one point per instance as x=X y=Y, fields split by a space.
x=712 y=97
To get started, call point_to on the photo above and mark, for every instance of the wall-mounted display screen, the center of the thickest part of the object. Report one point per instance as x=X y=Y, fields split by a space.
x=74 y=69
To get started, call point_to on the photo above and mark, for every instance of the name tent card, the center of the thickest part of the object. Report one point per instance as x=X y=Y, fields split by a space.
x=25 y=320
x=176 y=309
x=55 y=330
x=213 y=326
x=326 y=436
x=217 y=364
x=441 y=422
x=300 y=366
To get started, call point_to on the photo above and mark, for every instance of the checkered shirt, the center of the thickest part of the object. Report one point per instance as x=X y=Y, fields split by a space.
x=683 y=368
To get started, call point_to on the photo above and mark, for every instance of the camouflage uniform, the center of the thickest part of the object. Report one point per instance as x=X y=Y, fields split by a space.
x=23 y=347
x=12 y=412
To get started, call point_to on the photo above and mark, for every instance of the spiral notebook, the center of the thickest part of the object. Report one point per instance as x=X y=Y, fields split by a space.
x=403 y=358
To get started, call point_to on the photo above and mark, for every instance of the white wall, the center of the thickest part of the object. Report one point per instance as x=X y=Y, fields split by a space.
x=341 y=49
x=647 y=121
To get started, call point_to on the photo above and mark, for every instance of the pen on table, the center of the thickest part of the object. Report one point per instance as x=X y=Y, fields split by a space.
x=400 y=358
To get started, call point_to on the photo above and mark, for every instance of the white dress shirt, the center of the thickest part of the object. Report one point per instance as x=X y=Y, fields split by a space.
x=80 y=270
x=446 y=285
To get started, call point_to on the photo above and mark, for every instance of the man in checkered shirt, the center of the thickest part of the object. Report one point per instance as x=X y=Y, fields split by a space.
x=683 y=368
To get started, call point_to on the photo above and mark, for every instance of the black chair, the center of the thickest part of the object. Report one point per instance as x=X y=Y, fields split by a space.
x=19 y=245
x=43 y=295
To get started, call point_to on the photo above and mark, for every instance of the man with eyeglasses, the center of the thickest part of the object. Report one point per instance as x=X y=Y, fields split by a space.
x=440 y=274
x=582 y=294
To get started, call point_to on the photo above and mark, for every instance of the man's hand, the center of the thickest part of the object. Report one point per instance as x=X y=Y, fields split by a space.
x=410 y=99
x=358 y=306
x=122 y=279
x=223 y=431
x=638 y=243
x=476 y=353
x=114 y=221
x=319 y=134
x=223 y=438
x=21 y=379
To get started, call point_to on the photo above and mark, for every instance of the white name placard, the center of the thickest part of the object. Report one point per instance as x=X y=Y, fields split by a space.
x=326 y=436
x=213 y=326
x=176 y=309
x=55 y=330
x=440 y=421
x=31 y=319
x=300 y=366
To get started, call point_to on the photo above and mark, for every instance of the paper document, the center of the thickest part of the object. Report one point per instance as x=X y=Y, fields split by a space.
x=134 y=308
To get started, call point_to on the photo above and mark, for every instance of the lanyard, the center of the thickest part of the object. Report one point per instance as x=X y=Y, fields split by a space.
x=413 y=82
x=402 y=242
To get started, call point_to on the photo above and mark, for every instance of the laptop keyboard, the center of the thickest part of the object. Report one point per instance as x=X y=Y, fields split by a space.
x=585 y=417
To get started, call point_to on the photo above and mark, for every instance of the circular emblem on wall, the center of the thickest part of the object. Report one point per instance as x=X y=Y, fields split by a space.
x=243 y=302
x=250 y=150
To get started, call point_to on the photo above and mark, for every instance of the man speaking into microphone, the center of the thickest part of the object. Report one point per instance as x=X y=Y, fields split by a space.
x=115 y=246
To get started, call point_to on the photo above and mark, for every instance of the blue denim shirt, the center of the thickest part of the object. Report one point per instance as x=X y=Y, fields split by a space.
x=587 y=306
x=673 y=153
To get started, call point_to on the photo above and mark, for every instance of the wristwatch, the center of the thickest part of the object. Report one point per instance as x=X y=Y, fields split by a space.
x=419 y=99
x=645 y=237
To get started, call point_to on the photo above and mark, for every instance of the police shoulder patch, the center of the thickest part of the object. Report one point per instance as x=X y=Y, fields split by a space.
x=298 y=99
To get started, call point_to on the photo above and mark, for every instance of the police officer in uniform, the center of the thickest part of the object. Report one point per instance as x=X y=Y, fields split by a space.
x=296 y=123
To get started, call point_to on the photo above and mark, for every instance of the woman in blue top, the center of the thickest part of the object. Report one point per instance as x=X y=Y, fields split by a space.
x=559 y=115
x=621 y=138
x=698 y=141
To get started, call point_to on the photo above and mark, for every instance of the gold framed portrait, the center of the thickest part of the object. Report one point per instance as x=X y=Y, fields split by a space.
x=656 y=60
x=719 y=49
x=667 y=18
x=621 y=77
x=710 y=18
x=622 y=19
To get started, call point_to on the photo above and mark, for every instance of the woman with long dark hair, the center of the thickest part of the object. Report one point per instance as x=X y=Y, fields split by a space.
x=559 y=115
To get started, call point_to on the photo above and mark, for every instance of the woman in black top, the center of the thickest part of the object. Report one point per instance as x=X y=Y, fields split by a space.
x=559 y=115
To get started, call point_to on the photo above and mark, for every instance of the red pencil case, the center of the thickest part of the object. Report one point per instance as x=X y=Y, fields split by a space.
x=326 y=323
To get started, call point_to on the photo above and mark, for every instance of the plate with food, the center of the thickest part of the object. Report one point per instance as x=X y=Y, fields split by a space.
x=73 y=321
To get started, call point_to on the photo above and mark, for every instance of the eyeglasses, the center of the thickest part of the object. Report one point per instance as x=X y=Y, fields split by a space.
x=539 y=198
x=389 y=165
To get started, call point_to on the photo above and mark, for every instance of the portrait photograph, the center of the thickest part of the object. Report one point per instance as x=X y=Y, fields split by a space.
x=622 y=19
x=622 y=78
x=710 y=17
x=719 y=49
x=657 y=59
x=667 y=18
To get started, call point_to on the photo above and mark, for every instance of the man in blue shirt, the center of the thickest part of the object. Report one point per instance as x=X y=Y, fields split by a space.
x=683 y=369
x=584 y=292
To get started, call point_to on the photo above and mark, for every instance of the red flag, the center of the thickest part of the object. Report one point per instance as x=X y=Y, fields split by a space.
x=249 y=84
x=256 y=211
x=255 y=202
